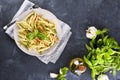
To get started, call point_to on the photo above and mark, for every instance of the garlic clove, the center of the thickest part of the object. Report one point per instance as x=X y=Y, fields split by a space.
x=53 y=75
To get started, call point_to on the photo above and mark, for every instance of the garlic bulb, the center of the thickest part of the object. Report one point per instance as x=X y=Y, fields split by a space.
x=91 y=32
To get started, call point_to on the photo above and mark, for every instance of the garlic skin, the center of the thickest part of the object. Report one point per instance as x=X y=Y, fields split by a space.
x=76 y=62
x=53 y=75
x=103 y=77
x=78 y=72
x=91 y=32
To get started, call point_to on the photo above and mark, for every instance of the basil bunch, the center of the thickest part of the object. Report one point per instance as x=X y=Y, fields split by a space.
x=103 y=54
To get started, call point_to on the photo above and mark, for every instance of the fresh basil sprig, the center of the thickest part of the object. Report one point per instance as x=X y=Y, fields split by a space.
x=103 y=54
x=38 y=34
x=62 y=74
x=30 y=36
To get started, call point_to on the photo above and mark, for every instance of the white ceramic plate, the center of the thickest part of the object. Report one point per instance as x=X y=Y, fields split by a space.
x=47 y=15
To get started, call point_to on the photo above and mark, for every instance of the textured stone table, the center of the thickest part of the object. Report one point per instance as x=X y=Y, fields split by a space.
x=79 y=14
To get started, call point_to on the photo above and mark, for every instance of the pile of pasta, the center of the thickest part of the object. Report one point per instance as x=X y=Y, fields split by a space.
x=36 y=32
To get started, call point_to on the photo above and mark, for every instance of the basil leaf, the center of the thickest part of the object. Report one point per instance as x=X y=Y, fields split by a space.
x=99 y=42
x=93 y=73
x=30 y=36
x=118 y=67
x=91 y=45
x=88 y=47
x=105 y=39
x=42 y=36
x=64 y=70
x=104 y=30
x=87 y=61
x=61 y=77
x=98 y=32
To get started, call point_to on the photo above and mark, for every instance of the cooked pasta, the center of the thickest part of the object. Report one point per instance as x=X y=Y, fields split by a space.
x=37 y=33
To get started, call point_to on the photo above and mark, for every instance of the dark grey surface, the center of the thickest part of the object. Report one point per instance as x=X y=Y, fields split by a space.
x=15 y=65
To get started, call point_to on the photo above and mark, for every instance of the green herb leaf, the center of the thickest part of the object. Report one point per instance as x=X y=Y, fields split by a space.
x=42 y=36
x=93 y=73
x=61 y=77
x=105 y=30
x=87 y=61
x=63 y=72
x=105 y=39
x=88 y=47
x=98 y=32
x=30 y=36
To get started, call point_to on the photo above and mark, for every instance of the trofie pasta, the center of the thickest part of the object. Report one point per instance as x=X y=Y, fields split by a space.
x=36 y=32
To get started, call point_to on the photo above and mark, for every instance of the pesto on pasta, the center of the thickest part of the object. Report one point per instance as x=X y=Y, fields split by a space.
x=36 y=32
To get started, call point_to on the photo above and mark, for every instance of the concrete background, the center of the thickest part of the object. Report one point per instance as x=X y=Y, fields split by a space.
x=79 y=14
